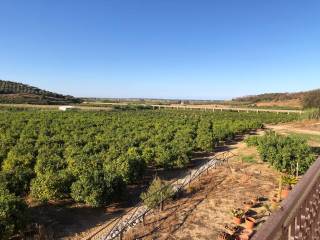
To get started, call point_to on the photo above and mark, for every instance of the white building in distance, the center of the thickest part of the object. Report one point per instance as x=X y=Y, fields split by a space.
x=65 y=108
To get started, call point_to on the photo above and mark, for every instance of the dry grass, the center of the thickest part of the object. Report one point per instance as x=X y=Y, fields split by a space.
x=292 y=103
x=203 y=211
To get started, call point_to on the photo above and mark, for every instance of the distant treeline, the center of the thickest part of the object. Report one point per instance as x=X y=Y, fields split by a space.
x=152 y=101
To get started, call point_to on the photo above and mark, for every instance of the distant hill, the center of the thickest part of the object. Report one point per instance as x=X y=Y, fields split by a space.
x=13 y=92
x=294 y=100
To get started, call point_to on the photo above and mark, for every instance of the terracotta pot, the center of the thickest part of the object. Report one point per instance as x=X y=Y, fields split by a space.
x=250 y=223
x=237 y=220
x=285 y=192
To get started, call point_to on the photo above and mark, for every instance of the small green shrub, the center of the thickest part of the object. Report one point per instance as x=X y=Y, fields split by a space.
x=156 y=193
x=289 y=154
x=237 y=212
x=289 y=180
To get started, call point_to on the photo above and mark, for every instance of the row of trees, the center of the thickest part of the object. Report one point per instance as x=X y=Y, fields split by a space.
x=91 y=157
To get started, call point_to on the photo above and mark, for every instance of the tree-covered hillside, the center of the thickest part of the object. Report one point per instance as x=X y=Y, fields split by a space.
x=308 y=99
x=312 y=99
x=13 y=92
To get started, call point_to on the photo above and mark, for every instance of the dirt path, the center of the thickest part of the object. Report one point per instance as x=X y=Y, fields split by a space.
x=313 y=129
x=308 y=130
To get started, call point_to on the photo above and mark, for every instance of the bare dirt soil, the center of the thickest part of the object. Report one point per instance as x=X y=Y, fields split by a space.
x=205 y=208
x=305 y=127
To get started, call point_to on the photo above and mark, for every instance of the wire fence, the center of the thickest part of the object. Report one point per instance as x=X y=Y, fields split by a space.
x=135 y=215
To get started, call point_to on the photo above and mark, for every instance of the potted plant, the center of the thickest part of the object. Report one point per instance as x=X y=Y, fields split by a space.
x=237 y=214
x=231 y=229
x=250 y=222
x=248 y=205
x=287 y=183
x=223 y=235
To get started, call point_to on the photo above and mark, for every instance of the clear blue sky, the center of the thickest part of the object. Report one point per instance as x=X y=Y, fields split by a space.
x=206 y=49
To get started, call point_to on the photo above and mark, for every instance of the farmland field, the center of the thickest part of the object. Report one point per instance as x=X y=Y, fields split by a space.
x=90 y=157
x=95 y=154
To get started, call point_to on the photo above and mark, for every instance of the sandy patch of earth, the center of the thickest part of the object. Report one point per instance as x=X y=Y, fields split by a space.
x=304 y=127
